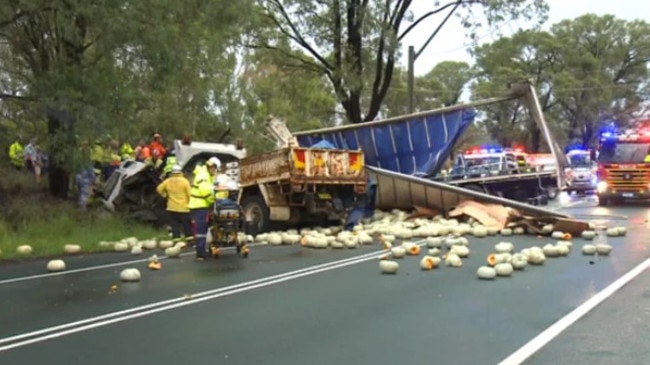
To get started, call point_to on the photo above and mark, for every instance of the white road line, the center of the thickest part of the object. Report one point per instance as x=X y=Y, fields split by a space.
x=182 y=301
x=99 y=267
x=526 y=351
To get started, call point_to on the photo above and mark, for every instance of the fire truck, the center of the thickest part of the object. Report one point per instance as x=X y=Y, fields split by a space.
x=623 y=166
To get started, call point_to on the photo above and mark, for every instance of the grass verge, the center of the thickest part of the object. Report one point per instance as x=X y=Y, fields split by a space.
x=32 y=217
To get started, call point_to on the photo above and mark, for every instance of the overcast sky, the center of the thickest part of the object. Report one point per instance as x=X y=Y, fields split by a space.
x=451 y=43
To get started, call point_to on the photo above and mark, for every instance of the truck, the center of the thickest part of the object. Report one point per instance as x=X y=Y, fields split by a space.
x=300 y=184
x=503 y=172
x=581 y=175
x=623 y=163
x=406 y=153
x=131 y=189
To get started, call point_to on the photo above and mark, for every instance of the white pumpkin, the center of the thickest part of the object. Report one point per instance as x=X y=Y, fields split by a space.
x=492 y=231
x=173 y=252
x=588 y=235
x=453 y=260
x=463 y=241
x=165 y=244
x=365 y=238
x=136 y=250
x=612 y=232
x=504 y=247
x=71 y=249
x=460 y=250
x=562 y=250
x=568 y=244
x=518 y=230
x=434 y=242
x=550 y=250
x=557 y=235
x=519 y=261
x=337 y=244
x=120 y=247
x=506 y=232
x=548 y=229
x=398 y=252
x=131 y=241
x=504 y=269
x=486 y=273
x=24 y=249
x=349 y=243
x=434 y=252
x=622 y=231
x=388 y=267
x=589 y=249
x=262 y=237
x=429 y=262
x=105 y=244
x=56 y=265
x=274 y=239
x=149 y=244
x=479 y=231
x=603 y=249
x=130 y=275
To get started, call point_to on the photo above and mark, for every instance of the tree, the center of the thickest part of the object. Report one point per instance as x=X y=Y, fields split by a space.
x=111 y=65
x=604 y=70
x=527 y=55
x=354 y=43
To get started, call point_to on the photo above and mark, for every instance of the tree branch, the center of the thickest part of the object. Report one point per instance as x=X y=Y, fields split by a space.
x=296 y=36
x=5 y=96
x=433 y=12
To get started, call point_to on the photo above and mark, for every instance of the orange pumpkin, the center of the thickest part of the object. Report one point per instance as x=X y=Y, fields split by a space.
x=567 y=237
x=492 y=259
x=215 y=252
x=430 y=264
x=303 y=240
x=155 y=265
x=415 y=250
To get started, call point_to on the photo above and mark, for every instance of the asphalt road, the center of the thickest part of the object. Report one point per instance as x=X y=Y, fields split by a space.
x=293 y=305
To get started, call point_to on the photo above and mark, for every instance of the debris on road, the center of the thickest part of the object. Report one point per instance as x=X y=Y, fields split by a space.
x=130 y=275
x=388 y=267
x=55 y=265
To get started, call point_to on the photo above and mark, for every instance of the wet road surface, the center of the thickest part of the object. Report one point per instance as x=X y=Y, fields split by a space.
x=293 y=305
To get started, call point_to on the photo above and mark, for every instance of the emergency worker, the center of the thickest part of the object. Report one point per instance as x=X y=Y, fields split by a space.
x=158 y=150
x=17 y=154
x=176 y=189
x=85 y=178
x=170 y=161
x=143 y=152
x=201 y=201
x=127 y=152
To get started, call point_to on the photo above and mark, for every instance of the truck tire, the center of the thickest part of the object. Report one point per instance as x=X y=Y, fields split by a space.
x=255 y=210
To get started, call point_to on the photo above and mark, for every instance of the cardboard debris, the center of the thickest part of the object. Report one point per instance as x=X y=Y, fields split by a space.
x=489 y=215
x=499 y=216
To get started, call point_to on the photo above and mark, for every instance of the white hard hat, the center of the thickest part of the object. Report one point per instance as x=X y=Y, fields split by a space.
x=176 y=169
x=231 y=185
x=213 y=161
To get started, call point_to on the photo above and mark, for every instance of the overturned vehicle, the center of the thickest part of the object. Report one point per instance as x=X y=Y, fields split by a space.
x=131 y=189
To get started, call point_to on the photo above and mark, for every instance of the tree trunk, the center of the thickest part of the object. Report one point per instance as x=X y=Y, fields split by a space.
x=535 y=139
x=60 y=130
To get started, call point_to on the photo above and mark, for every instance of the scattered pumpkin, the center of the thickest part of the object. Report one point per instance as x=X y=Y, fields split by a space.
x=603 y=249
x=612 y=232
x=622 y=231
x=506 y=232
x=398 y=252
x=486 y=273
x=55 y=265
x=166 y=244
x=429 y=262
x=173 y=252
x=120 y=247
x=388 y=267
x=503 y=269
x=460 y=250
x=567 y=236
x=24 y=249
x=557 y=235
x=453 y=260
x=136 y=250
x=71 y=249
x=588 y=249
x=504 y=247
x=588 y=235
x=130 y=275
x=518 y=230
x=519 y=261
x=434 y=252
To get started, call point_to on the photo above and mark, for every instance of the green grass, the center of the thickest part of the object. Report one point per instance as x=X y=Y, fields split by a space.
x=29 y=216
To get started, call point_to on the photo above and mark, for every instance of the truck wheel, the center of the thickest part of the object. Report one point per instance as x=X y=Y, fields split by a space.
x=257 y=212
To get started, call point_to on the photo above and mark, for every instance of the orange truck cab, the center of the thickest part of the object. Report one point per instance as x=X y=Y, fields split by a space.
x=623 y=166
